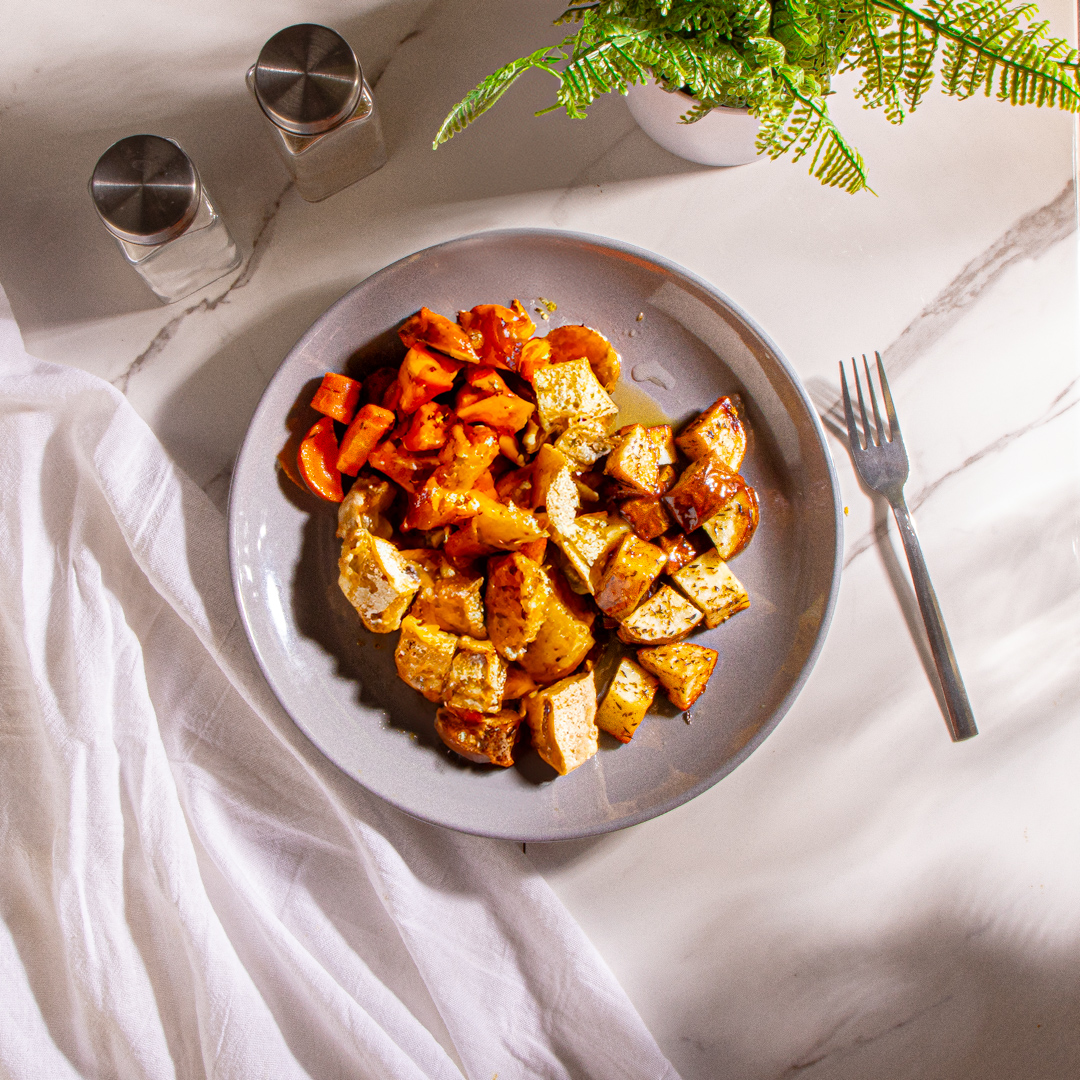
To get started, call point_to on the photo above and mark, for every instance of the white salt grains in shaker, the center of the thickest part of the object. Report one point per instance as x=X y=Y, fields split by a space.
x=149 y=196
x=311 y=88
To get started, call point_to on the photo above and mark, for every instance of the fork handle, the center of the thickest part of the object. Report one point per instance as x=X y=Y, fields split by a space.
x=960 y=718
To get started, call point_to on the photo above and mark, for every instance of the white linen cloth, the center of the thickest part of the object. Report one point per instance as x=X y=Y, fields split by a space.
x=187 y=888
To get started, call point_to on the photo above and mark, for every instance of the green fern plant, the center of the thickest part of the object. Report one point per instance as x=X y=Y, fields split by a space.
x=777 y=58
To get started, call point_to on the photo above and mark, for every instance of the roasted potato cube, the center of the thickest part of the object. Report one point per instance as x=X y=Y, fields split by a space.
x=718 y=430
x=452 y=602
x=666 y=616
x=731 y=528
x=584 y=443
x=548 y=463
x=589 y=543
x=483 y=739
x=571 y=342
x=505 y=527
x=517 y=597
x=569 y=392
x=377 y=581
x=664 y=437
x=477 y=677
x=363 y=508
x=628 y=576
x=635 y=461
x=438 y=332
x=563 y=722
x=565 y=635
x=682 y=668
x=713 y=587
x=423 y=656
x=562 y=501
x=627 y=701
x=681 y=549
x=704 y=487
x=646 y=515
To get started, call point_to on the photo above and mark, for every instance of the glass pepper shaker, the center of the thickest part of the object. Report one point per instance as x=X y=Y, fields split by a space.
x=309 y=84
x=149 y=196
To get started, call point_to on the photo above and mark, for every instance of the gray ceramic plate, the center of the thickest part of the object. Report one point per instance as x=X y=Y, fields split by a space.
x=338 y=682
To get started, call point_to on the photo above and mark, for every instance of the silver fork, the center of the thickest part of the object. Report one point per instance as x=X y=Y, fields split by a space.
x=882 y=463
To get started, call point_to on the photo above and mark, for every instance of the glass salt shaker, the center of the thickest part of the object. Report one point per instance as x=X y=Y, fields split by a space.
x=149 y=196
x=326 y=127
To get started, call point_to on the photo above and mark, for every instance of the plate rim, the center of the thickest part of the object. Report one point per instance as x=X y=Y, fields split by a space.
x=679 y=271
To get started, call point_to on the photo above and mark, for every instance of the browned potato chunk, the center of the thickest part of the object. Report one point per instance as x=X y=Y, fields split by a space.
x=664 y=437
x=732 y=527
x=484 y=739
x=681 y=549
x=646 y=515
x=448 y=597
x=713 y=587
x=587 y=546
x=505 y=527
x=569 y=392
x=477 y=677
x=517 y=596
x=683 y=669
x=635 y=461
x=571 y=342
x=362 y=509
x=563 y=722
x=717 y=430
x=548 y=463
x=584 y=443
x=377 y=581
x=705 y=486
x=627 y=701
x=628 y=576
x=664 y=617
x=423 y=656
x=565 y=636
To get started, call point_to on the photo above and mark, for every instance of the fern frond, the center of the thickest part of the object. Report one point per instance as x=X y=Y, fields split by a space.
x=800 y=123
x=483 y=96
x=991 y=47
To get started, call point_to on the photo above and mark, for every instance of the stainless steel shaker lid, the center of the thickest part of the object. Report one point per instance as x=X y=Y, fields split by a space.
x=145 y=189
x=307 y=79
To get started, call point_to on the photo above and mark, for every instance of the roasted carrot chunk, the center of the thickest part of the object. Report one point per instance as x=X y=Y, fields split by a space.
x=486 y=399
x=423 y=376
x=498 y=332
x=438 y=332
x=337 y=397
x=429 y=428
x=317 y=461
x=535 y=353
x=407 y=470
x=372 y=422
x=377 y=383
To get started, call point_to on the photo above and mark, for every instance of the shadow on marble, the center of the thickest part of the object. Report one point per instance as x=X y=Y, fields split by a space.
x=203 y=421
x=944 y=999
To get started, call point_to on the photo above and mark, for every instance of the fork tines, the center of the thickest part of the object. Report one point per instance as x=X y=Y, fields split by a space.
x=865 y=436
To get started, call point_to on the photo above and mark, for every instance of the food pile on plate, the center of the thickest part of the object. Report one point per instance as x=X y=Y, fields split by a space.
x=499 y=518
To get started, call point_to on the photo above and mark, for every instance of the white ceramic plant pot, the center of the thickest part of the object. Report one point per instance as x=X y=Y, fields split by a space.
x=723 y=137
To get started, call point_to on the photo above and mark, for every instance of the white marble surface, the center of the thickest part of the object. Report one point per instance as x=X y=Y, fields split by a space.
x=861 y=898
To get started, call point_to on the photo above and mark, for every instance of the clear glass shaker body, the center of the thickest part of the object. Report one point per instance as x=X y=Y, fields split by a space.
x=204 y=252
x=148 y=194
x=325 y=123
